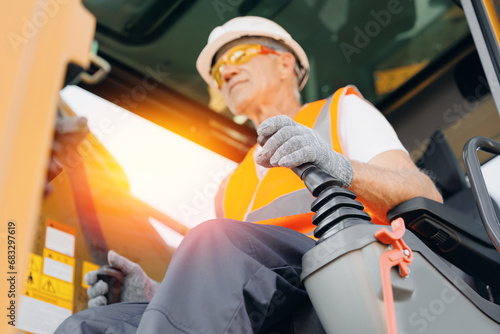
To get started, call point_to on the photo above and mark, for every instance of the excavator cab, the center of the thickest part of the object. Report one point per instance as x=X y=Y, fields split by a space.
x=111 y=140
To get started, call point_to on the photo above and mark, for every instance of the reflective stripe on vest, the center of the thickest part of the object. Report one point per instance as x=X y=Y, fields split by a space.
x=280 y=197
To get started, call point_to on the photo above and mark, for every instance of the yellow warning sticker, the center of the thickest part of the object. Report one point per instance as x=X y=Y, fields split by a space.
x=33 y=271
x=50 y=275
x=59 y=257
x=49 y=298
x=86 y=267
x=57 y=288
x=58 y=265
x=60 y=237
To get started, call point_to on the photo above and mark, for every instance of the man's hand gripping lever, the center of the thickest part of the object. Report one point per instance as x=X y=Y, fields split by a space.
x=121 y=281
x=286 y=143
x=337 y=211
x=326 y=173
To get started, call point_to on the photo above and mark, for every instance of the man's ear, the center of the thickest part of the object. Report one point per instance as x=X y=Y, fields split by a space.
x=286 y=65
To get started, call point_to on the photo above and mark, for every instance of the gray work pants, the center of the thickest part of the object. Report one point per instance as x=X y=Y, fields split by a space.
x=225 y=277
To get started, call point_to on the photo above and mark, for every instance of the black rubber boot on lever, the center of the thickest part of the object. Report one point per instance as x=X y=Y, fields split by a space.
x=335 y=206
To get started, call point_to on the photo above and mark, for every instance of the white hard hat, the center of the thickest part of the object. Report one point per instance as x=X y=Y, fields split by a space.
x=249 y=26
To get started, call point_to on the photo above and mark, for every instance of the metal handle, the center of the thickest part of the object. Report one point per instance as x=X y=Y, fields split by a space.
x=104 y=69
x=478 y=186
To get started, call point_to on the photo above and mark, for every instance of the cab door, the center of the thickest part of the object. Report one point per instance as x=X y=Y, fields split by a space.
x=39 y=40
x=484 y=24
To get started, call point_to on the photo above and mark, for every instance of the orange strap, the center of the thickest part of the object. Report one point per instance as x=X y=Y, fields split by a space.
x=401 y=255
x=334 y=111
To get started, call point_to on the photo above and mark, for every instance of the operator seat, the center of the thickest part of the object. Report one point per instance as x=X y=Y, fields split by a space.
x=453 y=230
x=443 y=167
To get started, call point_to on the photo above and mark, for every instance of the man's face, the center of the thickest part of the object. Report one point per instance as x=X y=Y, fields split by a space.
x=248 y=86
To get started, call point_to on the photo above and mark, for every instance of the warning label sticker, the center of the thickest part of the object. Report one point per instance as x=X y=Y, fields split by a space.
x=50 y=288
x=58 y=269
x=49 y=298
x=33 y=272
x=59 y=257
x=48 y=294
x=57 y=288
x=60 y=237
x=86 y=267
x=58 y=265
x=37 y=316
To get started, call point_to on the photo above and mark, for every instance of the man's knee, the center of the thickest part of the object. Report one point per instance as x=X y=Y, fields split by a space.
x=115 y=318
x=82 y=323
x=215 y=230
x=218 y=235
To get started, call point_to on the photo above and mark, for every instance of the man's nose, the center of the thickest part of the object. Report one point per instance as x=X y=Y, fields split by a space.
x=229 y=71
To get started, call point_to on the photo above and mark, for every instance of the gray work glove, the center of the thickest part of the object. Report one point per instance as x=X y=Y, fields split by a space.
x=286 y=143
x=136 y=286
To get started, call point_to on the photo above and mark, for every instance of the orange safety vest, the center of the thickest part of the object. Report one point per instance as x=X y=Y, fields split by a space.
x=280 y=197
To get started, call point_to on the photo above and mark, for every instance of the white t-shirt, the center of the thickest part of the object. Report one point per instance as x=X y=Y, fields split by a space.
x=363 y=131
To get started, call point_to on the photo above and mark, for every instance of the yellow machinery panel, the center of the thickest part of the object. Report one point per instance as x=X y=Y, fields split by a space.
x=39 y=39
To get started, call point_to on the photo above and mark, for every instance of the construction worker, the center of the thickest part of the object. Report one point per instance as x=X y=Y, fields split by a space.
x=242 y=274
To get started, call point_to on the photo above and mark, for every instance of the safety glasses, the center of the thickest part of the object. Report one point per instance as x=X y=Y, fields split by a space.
x=238 y=55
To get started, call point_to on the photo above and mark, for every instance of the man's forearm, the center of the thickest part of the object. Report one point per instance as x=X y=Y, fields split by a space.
x=380 y=189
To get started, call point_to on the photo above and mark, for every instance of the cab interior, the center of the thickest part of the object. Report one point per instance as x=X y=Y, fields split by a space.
x=160 y=141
